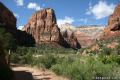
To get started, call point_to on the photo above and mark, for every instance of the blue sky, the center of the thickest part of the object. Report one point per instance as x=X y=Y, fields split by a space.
x=76 y=12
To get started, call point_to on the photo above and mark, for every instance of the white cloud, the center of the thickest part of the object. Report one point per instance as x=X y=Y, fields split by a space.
x=16 y=15
x=65 y=20
x=34 y=6
x=20 y=27
x=84 y=20
x=19 y=2
x=101 y=10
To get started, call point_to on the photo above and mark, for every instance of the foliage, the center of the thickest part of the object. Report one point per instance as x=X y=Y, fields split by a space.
x=85 y=69
x=7 y=39
x=45 y=60
x=22 y=55
x=103 y=63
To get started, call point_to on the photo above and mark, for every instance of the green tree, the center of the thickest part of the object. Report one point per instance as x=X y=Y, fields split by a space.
x=8 y=42
x=7 y=39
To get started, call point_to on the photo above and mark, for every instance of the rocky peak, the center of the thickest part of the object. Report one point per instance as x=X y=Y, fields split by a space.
x=114 y=20
x=117 y=10
x=43 y=27
x=71 y=39
x=113 y=28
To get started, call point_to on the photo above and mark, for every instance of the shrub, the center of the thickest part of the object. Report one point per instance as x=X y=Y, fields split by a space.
x=45 y=60
x=84 y=69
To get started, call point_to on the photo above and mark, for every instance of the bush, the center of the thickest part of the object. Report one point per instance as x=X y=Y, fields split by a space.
x=84 y=69
x=109 y=59
x=22 y=55
x=45 y=60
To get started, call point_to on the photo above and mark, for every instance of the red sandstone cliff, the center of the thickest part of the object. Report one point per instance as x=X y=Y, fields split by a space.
x=43 y=27
x=113 y=28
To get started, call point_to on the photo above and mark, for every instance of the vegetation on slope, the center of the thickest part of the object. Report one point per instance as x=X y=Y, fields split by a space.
x=103 y=63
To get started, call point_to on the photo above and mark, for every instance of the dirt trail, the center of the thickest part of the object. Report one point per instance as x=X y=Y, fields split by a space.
x=28 y=73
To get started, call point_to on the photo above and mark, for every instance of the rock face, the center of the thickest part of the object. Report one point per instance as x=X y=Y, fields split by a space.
x=71 y=39
x=114 y=20
x=67 y=31
x=113 y=28
x=86 y=35
x=43 y=27
x=6 y=17
x=8 y=21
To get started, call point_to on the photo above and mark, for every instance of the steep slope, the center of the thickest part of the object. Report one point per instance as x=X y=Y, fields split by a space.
x=113 y=28
x=71 y=39
x=43 y=27
x=86 y=35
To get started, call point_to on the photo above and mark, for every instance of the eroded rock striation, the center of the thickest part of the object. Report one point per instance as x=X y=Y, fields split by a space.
x=86 y=35
x=113 y=28
x=71 y=39
x=43 y=27
x=114 y=20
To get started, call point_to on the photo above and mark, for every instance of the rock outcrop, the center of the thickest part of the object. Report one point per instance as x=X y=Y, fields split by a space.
x=114 y=20
x=71 y=39
x=68 y=31
x=113 y=28
x=43 y=27
x=86 y=35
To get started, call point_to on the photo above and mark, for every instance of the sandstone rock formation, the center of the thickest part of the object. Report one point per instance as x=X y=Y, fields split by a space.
x=71 y=39
x=114 y=20
x=43 y=27
x=113 y=28
x=67 y=26
x=86 y=35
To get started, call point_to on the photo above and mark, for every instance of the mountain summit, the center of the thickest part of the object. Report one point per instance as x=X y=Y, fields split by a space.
x=43 y=27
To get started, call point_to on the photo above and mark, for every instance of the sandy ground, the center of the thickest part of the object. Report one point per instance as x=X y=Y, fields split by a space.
x=28 y=73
